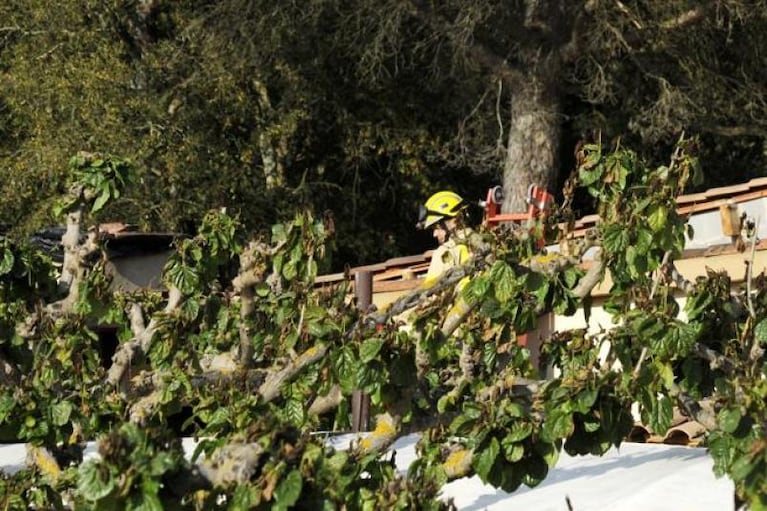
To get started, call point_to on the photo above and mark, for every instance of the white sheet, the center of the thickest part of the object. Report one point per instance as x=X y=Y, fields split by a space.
x=637 y=477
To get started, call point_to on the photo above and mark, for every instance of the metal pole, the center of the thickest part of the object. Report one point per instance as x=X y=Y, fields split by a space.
x=363 y=292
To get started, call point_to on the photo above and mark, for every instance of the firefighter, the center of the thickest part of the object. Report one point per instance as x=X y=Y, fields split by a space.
x=443 y=212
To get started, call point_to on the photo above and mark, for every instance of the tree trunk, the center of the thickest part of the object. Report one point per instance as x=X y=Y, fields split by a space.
x=534 y=137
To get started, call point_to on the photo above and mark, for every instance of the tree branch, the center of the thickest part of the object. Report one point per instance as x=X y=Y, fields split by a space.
x=270 y=389
x=330 y=401
x=478 y=53
x=139 y=345
x=9 y=373
x=715 y=359
x=689 y=17
x=702 y=412
x=252 y=270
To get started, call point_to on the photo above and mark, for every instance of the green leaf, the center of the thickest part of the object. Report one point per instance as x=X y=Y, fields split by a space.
x=559 y=424
x=637 y=263
x=760 y=331
x=370 y=349
x=519 y=431
x=586 y=400
x=513 y=409
x=290 y=270
x=184 y=277
x=337 y=461
x=100 y=201
x=658 y=411
x=344 y=367
x=537 y=468
x=721 y=449
x=658 y=218
x=60 y=412
x=542 y=291
x=729 y=419
x=90 y=483
x=7 y=404
x=513 y=452
x=484 y=461
x=477 y=288
x=294 y=411
x=644 y=240
x=589 y=177
x=462 y=424
x=289 y=489
x=615 y=238
x=590 y=425
x=6 y=264
x=549 y=452
x=161 y=463
x=145 y=501
x=445 y=402
x=504 y=282
x=741 y=468
x=666 y=373
x=572 y=276
x=489 y=354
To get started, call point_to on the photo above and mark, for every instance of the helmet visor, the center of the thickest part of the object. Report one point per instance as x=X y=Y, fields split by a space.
x=428 y=217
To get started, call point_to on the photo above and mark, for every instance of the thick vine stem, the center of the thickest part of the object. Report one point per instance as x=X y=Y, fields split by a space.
x=328 y=402
x=678 y=279
x=150 y=385
x=457 y=464
x=43 y=460
x=9 y=374
x=410 y=300
x=233 y=463
x=252 y=270
x=509 y=383
x=702 y=412
x=76 y=253
x=270 y=389
x=594 y=276
x=128 y=352
x=715 y=359
x=385 y=433
x=71 y=243
x=457 y=314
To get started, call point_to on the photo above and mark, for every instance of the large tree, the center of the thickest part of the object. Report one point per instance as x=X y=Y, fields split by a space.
x=364 y=107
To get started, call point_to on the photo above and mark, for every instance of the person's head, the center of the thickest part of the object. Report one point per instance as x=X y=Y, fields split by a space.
x=442 y=212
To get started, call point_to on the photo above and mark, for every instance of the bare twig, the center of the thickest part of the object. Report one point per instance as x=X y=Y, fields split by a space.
x=750 y=271
x=638 y=367
x=659 y=274
x=686 y=18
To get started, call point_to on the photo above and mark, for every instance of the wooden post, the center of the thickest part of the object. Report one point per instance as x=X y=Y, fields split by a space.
x=363 y=291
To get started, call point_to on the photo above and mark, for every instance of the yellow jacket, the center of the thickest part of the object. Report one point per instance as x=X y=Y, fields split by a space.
x=453 y=252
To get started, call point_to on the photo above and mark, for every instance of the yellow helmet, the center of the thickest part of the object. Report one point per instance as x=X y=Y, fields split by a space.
x=439 y=206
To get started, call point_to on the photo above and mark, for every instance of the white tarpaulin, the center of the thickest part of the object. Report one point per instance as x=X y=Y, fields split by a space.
x=636 y=477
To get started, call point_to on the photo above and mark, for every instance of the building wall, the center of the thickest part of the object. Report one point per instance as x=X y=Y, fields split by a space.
x=133 y=273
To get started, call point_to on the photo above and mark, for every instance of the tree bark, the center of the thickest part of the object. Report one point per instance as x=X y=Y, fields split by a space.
x=534 y=137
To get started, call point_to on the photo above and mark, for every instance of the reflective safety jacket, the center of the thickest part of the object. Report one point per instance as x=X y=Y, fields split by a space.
x=453 y=252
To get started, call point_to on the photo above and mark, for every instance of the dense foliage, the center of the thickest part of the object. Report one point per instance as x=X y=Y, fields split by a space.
x=255 y=358
x=362 y=108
